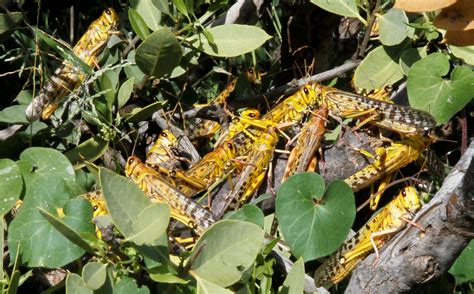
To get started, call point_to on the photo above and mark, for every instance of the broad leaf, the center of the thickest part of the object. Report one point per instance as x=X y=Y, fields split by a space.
x=125 y=92
x=138 y=24
x=429 y=90
x=149 y=12
x=75 y=285
x=150 y=224
x=463 y=267
x=340 y=7
x=230 y=40
x=249 y=213
x=294 y=282
x=312 y=222
x=11 y=184
x=225 y=251
x=393 y=27
x=94 y=274
x=15 y=114
x=89 y=150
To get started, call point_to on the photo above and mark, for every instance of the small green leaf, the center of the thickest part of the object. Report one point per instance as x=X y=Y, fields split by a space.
x=150 y=224
x=294 y=282
x=89 y=150
x=168 y=278
x=141 y=114
x=109 y=82
x=430 y=91
x=75 y=285
x=138 y=24
x=94 y=274
x=9 y=21
x=249 y=213
x=159 y=54
x=393 y=27
x=230 y=40
x=379 y=69
x=225 y=251
x=125 y=92
x=181 y=6
x=11 y=184
x=128 y=285
x=125 y=201
x=410 y=56
x=340 y=7
x=463 y=267
x=149 y=11
x=465 y=53
x=314 y=224
x=24 y=97
x=15 y=114
x=207 y=287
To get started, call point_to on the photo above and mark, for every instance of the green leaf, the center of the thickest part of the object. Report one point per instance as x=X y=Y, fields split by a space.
x=230 y=40
x=393 y=27
x=168 y=278
x=340 y=7
x=138 y=24
x=89 y=150
x=75 y=285
x=11 y=184
x=109 y=81
x=294 y=282
x=128 y=285
x=125 y=201
x=149 y=11
x=225 y=251
x=150 y=224
x=9 y=21
x=181 y=6
x=249 y=213
x=465 y=53
x=207 y=287
x=47 y=162
x=463 y=267
x=410 y=56
x=133 y=71
x=94 y=274
x=15 y=114
x=430 y=91
x=24 y=97
x=312 y=222
x=125 y=92
x=159 y=54
x=141 y=114
x=66 y=230
x=40 y=242
x=379 y=69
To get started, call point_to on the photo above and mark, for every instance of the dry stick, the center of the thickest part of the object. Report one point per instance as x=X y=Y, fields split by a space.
x=287 y=89
x=414 y=258
x=184 y=141
x=363 y=46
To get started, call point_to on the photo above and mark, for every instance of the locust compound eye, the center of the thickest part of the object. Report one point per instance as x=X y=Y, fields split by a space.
x=163 y=134
x=108 y=11
x=404 y=193
x=130 y=160
x=250 y=71
x=252 y=115
x=95 y=207
x=230 y=146
x=305 y=90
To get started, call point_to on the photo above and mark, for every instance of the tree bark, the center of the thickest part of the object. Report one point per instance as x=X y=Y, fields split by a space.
x=414 y=258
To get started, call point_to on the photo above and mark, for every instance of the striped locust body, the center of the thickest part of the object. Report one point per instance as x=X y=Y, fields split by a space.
x=212 y=167
x=388 y=160
x=158 y=189
x=373 y=235
x=309 y=140
x=68 y=77
x=401 y=119
x=254 y=171
x=162 y=158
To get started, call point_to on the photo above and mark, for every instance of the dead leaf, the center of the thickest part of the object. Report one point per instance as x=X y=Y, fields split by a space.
x=422 y=5
x=460 y=38
x=458 y=17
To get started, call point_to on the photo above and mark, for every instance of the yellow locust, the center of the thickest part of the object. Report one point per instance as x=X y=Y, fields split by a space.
x=373 y=235
x=68 y=77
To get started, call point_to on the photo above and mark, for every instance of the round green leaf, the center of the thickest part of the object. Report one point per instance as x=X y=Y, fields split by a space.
x=149 y=11
x=11 y=184
x=230 y=40
x=125 y=201
x=159 y=54
x=141 y=114
x=150 y=224
x=294 y=282
x=15 y=114
x=430 y=91
x=48 y=162
x=410 y=56
x=465 y=53
x=75 y=285
x=94 y=275
x=125 y=92
x=249 y=213
x=225 y=251
x=41 y=244
x=379 y=69
x=206 y=287
x=463 y=267
x=340 y=7
x=393 y=27
x=128 y=285
x=314 y=224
